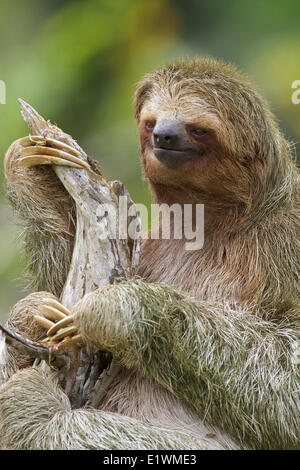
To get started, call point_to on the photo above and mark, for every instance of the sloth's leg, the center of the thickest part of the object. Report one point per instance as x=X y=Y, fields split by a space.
x=36 y=414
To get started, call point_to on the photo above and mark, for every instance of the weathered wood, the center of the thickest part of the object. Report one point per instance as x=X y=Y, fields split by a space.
x=96 y=260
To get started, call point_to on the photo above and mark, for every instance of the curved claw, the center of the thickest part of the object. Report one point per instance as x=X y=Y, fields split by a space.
x=39 y=150
x=43 y=158
x=52 y=313
x=63 y=333
x=56 y=305
x=44 y=322
x=68 y=342
x=56 y=143
x=27 y=162
x=61 y=324
x=41 y=140
x=59 y=334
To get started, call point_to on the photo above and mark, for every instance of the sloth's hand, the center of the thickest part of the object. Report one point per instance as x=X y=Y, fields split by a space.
x=58 y=320
x=39 y=150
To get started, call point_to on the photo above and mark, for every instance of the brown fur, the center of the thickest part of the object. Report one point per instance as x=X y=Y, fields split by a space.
x=179 y=369
x=246 y=180
x=48 y=213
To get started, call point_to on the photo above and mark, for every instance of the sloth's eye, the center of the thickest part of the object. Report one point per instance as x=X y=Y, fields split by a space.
x=149 y=125
x=198 y=133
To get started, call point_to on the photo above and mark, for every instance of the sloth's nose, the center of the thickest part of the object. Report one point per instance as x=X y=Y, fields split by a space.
x=166 y=135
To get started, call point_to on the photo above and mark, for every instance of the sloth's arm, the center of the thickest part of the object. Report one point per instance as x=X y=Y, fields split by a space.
x=235 y=369
x=47 y=212
x=49 y=422
x=45 y=208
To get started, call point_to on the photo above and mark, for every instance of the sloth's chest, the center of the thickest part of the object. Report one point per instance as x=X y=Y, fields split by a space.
x=214 y=273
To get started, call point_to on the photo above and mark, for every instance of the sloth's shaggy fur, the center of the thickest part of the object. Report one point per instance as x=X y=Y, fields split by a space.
x=48 y=213
x=208 y=362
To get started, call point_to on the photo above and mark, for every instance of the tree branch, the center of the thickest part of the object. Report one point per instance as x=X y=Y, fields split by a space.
x=33 y=349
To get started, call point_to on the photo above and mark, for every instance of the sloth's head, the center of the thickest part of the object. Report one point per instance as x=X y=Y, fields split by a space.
x=203 y=129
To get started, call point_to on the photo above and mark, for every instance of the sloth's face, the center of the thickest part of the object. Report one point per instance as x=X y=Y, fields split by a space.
x=204 y=130
x=179 y=139
x=175 y=143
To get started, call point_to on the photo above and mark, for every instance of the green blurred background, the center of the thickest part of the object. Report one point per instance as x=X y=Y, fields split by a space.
x=78 y=63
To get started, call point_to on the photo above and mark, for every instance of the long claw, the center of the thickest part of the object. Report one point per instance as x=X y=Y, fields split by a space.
x=45 y=160
x=41 y=140
x=53 y=152
x=61 y=324
x=64 y=332
x=44 y=322
x=40 y=150
x=57 y=305
x=52 y=313
x=62 y=145
x=69 y=341
x=40 y=155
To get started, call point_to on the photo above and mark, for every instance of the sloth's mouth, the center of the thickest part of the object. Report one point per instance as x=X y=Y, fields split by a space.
x=173 y=158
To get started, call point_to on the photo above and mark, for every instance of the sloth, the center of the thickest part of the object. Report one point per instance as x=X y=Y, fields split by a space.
x=207 y=339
